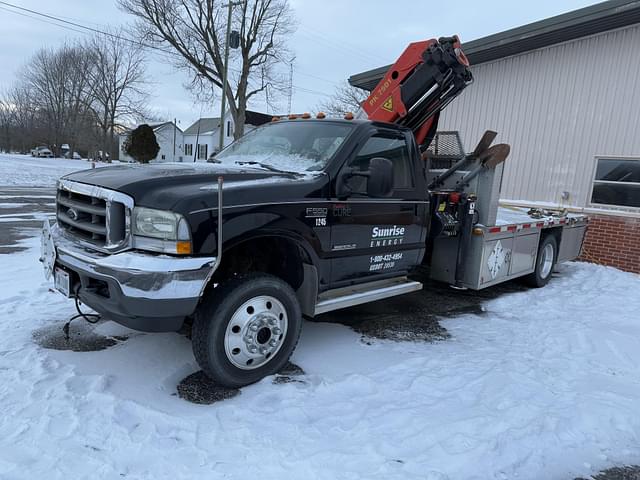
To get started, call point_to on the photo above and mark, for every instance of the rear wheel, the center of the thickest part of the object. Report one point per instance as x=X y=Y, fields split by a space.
x=545 y=262
x=246 y=329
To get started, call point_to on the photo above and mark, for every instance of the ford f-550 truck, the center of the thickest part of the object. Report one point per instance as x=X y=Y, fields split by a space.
x=299 y=217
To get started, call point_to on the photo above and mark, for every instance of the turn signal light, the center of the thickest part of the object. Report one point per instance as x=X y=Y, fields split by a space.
x=320 y=115
x=292 y=116
x=348 y=116
x=306 y=115
x=275 y=119
x=477 y=231
x=454 y=197
x=183 y=247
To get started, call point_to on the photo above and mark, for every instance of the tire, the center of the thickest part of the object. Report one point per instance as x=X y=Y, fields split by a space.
x=545 y=262
x=246 y=329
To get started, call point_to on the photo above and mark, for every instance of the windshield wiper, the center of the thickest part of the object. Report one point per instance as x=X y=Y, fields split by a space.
x=263 y=165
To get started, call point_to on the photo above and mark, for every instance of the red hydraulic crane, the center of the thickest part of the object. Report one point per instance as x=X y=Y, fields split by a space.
x=424 y=79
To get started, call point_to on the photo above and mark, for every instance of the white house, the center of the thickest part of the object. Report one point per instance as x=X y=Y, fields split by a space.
x=203 y=137
x=198 y=141
x=170 y=138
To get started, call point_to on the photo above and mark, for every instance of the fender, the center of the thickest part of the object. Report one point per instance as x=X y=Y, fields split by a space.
x=312 y=256
x=268 y=221
x=242 y=225
x=308 y=290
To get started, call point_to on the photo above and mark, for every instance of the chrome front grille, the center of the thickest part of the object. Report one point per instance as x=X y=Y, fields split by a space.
x=94 y=214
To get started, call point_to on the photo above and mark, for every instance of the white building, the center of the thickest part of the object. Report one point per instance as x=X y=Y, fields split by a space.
x=198 y=141
x=170 y=138
x=564 y=93
x=203 y=137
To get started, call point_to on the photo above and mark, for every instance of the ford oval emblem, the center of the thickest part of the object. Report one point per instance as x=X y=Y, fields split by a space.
x=72 y=213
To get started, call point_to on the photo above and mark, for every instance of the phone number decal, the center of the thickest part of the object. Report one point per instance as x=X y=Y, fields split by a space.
x=383 y=262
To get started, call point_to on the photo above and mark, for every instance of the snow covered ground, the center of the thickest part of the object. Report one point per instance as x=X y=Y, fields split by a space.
x=23 y=170
x=544 y=385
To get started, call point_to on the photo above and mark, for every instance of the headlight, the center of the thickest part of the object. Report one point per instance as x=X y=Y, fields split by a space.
x=160 y=231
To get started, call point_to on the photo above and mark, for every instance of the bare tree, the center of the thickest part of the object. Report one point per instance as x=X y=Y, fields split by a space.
x=23 y=120
x=117 y=84
x=78 y=94
x=345 y=98
x=5 y=125
x=195 y=32
x=79 y=62
x=58 y=83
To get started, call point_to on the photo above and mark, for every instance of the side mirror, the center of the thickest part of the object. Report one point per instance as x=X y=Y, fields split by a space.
x=380 y=183
x=379 y=178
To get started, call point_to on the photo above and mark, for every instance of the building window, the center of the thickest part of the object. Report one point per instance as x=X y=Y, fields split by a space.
x=188 y=149
x=163 y=157
x=202 y=151
x=228 y=128
x=617 y=182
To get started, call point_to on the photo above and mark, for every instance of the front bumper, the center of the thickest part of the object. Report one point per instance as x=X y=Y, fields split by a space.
x=142 y=291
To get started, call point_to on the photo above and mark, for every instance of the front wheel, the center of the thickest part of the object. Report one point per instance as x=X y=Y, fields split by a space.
x=545 y=262
x=246 y=329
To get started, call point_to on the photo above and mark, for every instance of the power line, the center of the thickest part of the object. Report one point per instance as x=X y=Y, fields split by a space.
x=342 y=42
x=336 y=47
x=308 y=90
x=38 y=19
x=67 y=24
x=301 y=72
x=345 y=47
x=78 y=25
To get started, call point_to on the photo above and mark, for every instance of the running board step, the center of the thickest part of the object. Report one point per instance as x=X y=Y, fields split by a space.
x=364 y=293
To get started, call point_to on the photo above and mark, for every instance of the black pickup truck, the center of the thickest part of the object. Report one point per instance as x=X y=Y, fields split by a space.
x=299 y=217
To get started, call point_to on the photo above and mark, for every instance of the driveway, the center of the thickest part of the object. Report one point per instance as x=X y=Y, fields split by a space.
x=22 y=211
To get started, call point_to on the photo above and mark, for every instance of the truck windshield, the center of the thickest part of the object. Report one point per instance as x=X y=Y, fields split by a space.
x=299 y=146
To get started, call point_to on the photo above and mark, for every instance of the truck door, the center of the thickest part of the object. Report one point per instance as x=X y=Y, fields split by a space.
x=378 y=237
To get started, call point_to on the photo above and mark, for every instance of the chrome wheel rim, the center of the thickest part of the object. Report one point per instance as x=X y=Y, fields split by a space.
x=547 y=260
x=256 y=332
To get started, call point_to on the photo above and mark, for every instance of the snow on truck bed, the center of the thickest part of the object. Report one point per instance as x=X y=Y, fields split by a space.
x=519 y=215
x=543 y=385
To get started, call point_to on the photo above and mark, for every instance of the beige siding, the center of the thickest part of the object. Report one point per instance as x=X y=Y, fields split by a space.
x=559 y=108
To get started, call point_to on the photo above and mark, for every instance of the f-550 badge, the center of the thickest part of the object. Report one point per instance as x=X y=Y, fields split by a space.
x=319 y=214
x=316 y=212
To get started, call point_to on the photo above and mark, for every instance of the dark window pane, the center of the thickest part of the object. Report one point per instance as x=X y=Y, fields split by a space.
x=621 y=194
x=613 y=170
x=391 y=148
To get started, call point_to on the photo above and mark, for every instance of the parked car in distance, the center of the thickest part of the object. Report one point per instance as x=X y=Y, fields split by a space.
x=42 y=152
x=36 y=150
x=75 y=156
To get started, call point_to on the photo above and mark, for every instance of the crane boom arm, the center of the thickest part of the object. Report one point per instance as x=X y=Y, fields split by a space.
x=424 y=79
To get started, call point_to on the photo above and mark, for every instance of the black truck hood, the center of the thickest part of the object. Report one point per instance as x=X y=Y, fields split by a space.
x=169 y=185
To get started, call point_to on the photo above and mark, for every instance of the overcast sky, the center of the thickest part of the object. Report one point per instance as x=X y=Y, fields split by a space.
x=334 y=39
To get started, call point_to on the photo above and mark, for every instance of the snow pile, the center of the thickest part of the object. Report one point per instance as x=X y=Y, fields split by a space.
x=545 y=384
x=24 y=170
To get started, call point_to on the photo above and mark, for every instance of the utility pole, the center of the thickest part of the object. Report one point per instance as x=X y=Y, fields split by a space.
x=175 y=127
x=223 y=100
x=290 y=82
x=195 y=152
